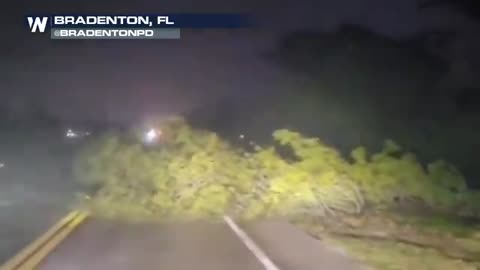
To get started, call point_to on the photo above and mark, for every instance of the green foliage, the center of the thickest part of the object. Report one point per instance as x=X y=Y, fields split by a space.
x=193 y=174
x=320 y=175
x=396 y=175
x=95 y=159
x=447 y=176
x=387 y=176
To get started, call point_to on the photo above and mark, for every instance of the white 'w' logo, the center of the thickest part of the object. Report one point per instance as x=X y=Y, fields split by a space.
x=39 y=23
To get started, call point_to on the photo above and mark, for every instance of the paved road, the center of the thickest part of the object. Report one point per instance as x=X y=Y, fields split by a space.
x=102 y=245
x=293 y=249
x=35 y=188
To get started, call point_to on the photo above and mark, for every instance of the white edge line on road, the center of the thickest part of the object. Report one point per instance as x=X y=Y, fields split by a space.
x=254 y=248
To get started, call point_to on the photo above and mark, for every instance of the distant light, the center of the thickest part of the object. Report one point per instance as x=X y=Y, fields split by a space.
x=152 y=135
x=242 y=136
x=2 y=164
x=71 y=134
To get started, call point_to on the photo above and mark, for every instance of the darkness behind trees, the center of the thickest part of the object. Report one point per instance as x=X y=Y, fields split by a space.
x=357 y=87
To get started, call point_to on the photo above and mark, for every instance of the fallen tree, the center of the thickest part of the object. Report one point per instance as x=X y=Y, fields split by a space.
x=195 y=174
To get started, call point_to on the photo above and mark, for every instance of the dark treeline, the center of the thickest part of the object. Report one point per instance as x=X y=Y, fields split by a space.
x=359 y=88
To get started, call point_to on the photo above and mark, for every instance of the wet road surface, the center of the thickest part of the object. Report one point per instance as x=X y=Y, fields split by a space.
x=104 y=245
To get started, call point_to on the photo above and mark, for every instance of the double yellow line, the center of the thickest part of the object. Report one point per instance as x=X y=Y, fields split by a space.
x=32 y=255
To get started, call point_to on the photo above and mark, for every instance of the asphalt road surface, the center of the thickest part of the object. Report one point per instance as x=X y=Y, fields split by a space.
x=104 y=245
x=36 y=188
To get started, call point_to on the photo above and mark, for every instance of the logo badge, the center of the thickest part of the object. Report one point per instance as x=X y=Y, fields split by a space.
x=37 y=23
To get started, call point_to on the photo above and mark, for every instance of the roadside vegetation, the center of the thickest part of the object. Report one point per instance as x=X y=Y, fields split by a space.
x=384 y=203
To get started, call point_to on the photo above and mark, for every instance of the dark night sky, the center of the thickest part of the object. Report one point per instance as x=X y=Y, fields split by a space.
x=118 y=81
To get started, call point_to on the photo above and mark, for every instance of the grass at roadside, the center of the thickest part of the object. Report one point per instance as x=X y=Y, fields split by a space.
x=458 y=237
x=398 y=256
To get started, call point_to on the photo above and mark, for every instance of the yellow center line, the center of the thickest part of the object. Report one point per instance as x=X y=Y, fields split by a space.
x=32 y=255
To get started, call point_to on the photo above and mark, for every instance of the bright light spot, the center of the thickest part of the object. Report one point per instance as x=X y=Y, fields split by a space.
x=2 y=164
x=71 y=134
x=242 y=136
x=152 y=135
